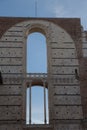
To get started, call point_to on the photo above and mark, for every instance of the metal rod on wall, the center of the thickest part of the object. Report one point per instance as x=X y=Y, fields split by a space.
x=30 y=103
x=45 y=104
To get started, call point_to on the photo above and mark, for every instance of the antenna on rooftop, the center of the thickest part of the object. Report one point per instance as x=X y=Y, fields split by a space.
x=35 y=8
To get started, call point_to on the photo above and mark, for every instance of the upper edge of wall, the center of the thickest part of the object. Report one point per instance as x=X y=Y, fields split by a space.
x=71 y=25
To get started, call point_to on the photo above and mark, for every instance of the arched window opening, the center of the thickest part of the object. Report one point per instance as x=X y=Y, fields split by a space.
x=37 y=115
x=36 y=97
x=36 y=53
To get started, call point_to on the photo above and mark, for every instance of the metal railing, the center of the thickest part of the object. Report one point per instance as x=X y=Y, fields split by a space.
x=37 y=75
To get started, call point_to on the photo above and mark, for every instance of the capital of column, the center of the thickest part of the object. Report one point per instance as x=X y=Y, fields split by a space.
x=44 y=83
x=29 y=83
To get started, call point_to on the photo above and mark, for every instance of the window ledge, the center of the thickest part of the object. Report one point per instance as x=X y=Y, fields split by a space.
x=37 y=126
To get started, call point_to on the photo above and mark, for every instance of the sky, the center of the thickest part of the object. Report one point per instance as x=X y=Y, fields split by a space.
x=37 y=42
x=36 y=62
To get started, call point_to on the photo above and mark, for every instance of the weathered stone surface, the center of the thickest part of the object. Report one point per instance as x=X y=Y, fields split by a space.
x=66 y=55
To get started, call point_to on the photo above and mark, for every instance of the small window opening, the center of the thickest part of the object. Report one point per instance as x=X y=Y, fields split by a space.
x=37 y=115
x=76 y=74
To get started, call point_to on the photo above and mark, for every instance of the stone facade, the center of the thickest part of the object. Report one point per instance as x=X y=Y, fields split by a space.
x=67 y=56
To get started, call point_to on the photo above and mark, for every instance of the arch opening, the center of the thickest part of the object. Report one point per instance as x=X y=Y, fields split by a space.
x=36 y=64
x=36 y=53
x=37 y=105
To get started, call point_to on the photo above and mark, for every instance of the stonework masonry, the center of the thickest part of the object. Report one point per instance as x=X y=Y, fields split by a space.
x=66 y=77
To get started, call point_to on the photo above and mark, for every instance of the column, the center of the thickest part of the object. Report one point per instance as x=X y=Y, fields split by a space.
x=44 y=103
x=30 y=103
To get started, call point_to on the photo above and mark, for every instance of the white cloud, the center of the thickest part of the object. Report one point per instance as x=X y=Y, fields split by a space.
x=37 y=122
x=58 y=8
x=59 y=11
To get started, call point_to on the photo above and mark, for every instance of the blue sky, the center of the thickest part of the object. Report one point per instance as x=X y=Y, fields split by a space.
x=36 y=62
x=37 y=42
